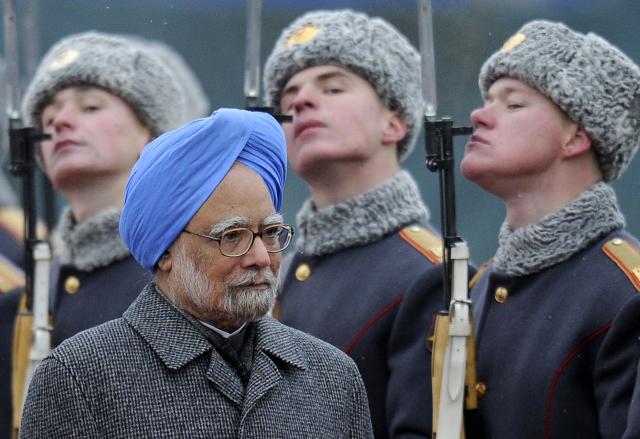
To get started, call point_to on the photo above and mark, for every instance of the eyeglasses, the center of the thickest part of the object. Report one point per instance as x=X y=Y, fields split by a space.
x=238 y=241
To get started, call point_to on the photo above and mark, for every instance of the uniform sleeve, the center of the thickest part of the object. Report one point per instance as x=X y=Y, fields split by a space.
x=408 y=400
x=361 y=419
x=633 y=419
x=615 y=370
x=56 y=406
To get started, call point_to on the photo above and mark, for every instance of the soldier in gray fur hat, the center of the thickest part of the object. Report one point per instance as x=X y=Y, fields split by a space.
x=351 y=83
x=558 y=305
x=102 y=98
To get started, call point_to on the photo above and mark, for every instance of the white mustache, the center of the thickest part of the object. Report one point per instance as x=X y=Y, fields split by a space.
x=250 y=277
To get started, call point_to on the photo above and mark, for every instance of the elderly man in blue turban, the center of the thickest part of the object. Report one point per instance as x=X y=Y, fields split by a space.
x=196 y=354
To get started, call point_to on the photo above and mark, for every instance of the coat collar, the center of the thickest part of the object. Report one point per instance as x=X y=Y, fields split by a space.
x=91 y=244
x=362 y=219
x=559 y=235
x=177 y=341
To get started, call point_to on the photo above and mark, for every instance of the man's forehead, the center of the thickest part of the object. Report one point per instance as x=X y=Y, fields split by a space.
x=506 y=85
x=318 y=73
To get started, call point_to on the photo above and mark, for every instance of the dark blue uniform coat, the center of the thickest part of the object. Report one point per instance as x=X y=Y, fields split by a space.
x=557 y=350
x=633 y=423
x=376 y=303
x=103 y=294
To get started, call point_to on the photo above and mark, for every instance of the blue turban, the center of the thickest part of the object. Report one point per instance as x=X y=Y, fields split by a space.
x=178 y=171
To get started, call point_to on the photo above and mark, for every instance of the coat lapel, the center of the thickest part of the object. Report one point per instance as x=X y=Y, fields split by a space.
x=172 y=337
x=274 y=346
x=225 y=379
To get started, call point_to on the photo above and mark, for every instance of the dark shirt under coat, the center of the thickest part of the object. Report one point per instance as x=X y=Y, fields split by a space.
x=558 y=356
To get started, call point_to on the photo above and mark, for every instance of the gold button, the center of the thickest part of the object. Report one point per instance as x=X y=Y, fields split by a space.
x=481 y=389
x=303 y=272
x=501 y=294
x=72 y=285
x=616 y=241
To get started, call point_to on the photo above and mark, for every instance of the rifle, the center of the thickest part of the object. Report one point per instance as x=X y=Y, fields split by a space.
x=453 y=358
x=22 y=141
x=252 y=62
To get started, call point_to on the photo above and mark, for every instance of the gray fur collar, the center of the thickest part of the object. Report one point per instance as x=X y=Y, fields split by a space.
x=92 y=244
x=362 y=219
x=558 y=236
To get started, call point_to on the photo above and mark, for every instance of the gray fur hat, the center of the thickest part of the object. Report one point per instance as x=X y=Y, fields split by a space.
x=369 y=47
x=115 y=64
x=588 y=78
x=194 y=99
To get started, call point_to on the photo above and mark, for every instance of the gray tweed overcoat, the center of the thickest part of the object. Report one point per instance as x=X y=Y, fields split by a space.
x=151 y=373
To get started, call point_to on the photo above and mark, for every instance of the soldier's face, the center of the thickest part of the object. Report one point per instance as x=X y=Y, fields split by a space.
x=227 y=291
x=94 y=134
x=518 y=139
x=338 y=118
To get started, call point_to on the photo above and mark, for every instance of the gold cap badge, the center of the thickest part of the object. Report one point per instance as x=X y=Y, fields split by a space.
x=303 y=35
x=512 y=42
x=64 y=58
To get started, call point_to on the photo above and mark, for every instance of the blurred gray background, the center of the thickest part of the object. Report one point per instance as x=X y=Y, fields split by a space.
x=210 y=34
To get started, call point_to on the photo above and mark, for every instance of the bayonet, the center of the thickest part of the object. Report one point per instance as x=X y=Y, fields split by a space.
x=252 y=62
x=427 y=60
x=252 y=55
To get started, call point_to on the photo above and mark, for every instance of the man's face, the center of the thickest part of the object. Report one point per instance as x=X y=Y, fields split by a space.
x=337 y=117
x=94 y=134
x=226 y=291
x=518 y=138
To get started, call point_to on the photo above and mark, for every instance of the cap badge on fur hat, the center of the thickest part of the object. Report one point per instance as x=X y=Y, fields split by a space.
x=370 y=47
x=303 y=35
x=63 y=59
x=512 y=42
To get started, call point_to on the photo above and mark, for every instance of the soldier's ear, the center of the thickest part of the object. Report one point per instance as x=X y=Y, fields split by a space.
x=578 y=143
x=395 y=128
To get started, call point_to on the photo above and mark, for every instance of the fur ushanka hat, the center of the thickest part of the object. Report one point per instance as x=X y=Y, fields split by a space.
x=592 y=81
x=114 y=64
x=370 y=47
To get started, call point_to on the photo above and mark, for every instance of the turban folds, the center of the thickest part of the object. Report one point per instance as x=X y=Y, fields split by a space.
x=178 y=171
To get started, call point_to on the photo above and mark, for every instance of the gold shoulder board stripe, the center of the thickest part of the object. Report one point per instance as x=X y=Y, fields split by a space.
x=12 y=220
x=476 y=277
x=627 y=257
x=11 y=277
x=426 y=242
